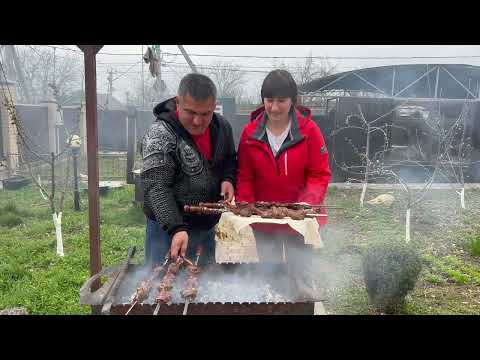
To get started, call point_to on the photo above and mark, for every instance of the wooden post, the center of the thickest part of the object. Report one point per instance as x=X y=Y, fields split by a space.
x=90 y=52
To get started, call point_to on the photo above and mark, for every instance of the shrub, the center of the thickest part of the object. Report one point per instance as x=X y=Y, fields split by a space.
x=473 y=245
x=390 y=270
x=11 y=207
x=10 y=220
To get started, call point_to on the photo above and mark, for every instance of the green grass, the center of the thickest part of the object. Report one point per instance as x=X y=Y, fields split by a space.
x=10 y=220
x=434 y=279
x=456 y=269
x=439 y=228
x=33 y=276
x=11 y=214
x=11 y=206
x=349 y=301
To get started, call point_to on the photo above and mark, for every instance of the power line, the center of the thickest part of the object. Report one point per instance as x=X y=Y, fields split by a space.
x=329 y=57
x=63 y=48
x=292 y=57
x=167 y=63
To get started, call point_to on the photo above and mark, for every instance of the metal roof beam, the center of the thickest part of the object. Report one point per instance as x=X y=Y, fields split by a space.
x=369 y=83
x=414 y=82
x=459 y=82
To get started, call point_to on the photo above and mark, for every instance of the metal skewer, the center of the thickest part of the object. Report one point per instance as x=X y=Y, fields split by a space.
x=157 y=309
x=167 y=257
x=199 y=251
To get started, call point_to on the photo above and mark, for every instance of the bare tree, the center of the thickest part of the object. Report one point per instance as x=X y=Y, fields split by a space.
x=458 y=150
x=31 y=159
x=228 y=78
x=43 y=70
x=308 y=69
x=373 y=164
x=146 y=90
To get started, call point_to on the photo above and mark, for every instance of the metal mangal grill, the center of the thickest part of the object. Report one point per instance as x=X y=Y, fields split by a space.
x=220 y=309
x=224 y=289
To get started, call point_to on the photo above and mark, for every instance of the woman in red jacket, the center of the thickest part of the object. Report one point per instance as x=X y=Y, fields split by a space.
x=282 y=157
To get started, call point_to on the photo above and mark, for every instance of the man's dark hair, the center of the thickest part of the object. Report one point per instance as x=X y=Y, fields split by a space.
x=198 y=86
x=279 y=84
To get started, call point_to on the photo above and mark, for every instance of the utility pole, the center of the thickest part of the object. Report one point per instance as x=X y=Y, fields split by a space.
x=110 y=86
x=143 y=83
x=187 y=58
x=54 y=70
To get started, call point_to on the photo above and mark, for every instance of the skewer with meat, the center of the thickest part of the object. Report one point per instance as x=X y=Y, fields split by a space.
x=202 y=210
x=212 y=205
x=142 y=292
x=264 y=213
x=264 y=205
x=241 y=209
x=164 y=290
x=263 y=209
x=297 y=214
x=294 y=206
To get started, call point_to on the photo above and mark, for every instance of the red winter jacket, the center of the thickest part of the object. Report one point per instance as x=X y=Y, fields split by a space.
x=300 y=171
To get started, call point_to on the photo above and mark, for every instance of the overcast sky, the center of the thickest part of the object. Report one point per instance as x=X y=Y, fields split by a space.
x=131 y=65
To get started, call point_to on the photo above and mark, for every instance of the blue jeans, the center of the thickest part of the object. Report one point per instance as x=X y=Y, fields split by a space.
x=158 y=242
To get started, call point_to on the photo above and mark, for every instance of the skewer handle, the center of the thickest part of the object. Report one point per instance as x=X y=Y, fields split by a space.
x=167 y=258
x=185 y=308
x=157 y=309
x=131 y=307
x=198 y=253
x=187 y=261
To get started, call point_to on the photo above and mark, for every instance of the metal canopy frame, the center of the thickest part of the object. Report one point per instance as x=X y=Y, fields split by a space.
x=392 y=92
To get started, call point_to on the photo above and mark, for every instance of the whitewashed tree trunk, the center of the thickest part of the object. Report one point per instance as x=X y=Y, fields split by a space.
x=407 y=226
x=57 y=221
x=362 y=197
x=462 y=198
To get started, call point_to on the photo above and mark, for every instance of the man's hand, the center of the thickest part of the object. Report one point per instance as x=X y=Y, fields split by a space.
x=179 y=244
x=226 y=191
